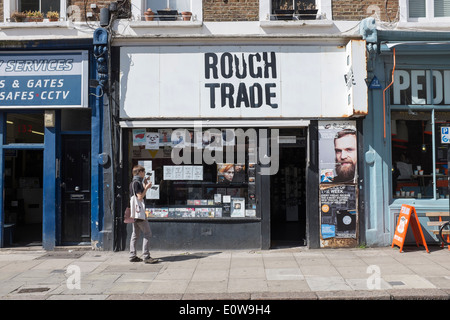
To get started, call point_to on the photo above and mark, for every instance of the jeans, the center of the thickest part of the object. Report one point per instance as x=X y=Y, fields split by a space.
x=138 y=227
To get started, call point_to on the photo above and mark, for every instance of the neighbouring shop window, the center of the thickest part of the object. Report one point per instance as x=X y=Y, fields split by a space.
x=24 y=128
x=216 y=178
x=419 y=156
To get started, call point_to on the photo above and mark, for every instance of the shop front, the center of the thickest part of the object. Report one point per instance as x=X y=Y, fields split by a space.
x=48 y=197
x=229 y=137
x=407 y=158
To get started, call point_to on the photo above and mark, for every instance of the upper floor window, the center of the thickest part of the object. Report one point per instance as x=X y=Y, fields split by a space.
x=10 y=7
x=179 y=5
x=161 y=12
x=294 y=9
x=43 y=6
x=425 y=10
x=295 y=5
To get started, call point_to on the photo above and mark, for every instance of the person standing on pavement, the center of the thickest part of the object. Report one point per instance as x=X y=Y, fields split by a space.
x=139 y=187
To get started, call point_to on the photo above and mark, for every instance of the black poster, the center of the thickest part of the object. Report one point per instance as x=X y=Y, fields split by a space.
x=338 y=211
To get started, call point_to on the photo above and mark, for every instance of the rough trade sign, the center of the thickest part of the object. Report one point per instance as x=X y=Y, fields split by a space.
x=55 y=79
x=241 y=80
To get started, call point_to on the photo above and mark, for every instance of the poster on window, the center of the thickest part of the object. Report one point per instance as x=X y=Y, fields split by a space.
x=338 y=214
x=338 y=152
x=165 y=137
x=237 y=207
x=230 y=172
x=139 y=137
x=225 y=172
x=152 y=140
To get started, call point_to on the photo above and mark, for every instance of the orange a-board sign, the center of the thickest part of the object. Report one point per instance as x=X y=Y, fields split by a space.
x=408 y=216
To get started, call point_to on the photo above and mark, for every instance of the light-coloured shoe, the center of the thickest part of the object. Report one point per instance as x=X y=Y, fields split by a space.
x=151 y=260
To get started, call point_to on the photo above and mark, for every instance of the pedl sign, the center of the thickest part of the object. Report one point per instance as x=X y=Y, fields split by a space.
x=49 y=79
x=421 y=87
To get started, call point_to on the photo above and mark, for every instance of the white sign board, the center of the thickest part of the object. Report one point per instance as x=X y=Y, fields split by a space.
x=43 y=79
x=242 y=81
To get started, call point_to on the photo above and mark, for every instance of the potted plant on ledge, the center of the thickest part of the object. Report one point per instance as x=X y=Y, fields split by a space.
x=285 y=12
x=306 y=11
x=168 y=15
x=186 y=15
x=53 y=15
x=35 y=16
x=149 y=15
x=19 y=16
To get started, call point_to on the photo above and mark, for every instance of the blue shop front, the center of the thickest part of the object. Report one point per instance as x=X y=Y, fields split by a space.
x=51 y=113
x=406 y=152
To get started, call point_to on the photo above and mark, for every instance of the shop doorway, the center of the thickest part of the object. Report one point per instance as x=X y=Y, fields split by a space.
x=76 y=189
x=287 y=189
x=23 y=197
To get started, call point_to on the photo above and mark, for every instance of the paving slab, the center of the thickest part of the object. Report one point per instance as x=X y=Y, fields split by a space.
x=284 y=296
x=354 y=295
x=217 y=296
x=79 y=297
x=286 y=274
x=317 y=283
x=419 y=294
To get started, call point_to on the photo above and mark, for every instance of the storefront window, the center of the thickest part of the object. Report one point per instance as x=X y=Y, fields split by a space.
x=24 y=128
x=214 y=179
x=419 y=156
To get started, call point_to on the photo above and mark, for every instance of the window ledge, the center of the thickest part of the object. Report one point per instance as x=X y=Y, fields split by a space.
x=200 y=219
x=166 y=24
x=424 y=24
x=295 y=23
x=25 y=25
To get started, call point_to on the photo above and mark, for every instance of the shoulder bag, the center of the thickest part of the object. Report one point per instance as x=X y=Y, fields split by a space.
x=137 y=208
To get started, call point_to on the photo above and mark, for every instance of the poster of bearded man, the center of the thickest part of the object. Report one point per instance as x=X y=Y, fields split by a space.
x=338 y=151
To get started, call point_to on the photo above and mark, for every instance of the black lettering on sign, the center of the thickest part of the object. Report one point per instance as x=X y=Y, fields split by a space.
x=242 y=68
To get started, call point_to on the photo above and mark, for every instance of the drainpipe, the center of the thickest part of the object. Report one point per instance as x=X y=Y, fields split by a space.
x=384 y=96
x=99 y=159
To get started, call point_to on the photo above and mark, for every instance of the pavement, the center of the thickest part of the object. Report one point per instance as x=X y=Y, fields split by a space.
x=295 y=273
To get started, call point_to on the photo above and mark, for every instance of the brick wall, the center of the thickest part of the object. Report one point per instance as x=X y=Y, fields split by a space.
x=386 y=10
x=230 y=10
x=85 y=6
